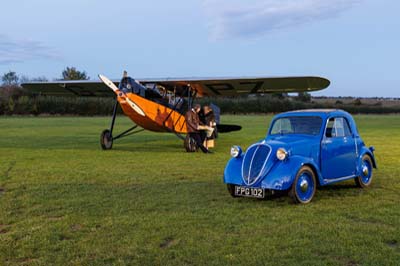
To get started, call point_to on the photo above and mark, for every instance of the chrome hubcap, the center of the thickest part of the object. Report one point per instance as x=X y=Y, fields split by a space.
x=304 y=186
x=365 y=170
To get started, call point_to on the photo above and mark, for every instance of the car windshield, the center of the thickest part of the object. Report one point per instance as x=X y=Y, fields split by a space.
x=309 y=125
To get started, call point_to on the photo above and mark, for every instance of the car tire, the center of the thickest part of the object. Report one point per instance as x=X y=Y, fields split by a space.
x=304 y=186
x=231 y=190
x=190 y=144
x=106 y=140
x=365 y=178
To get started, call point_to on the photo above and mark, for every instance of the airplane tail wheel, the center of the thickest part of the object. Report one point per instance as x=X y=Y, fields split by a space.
x=190 y=144
x=106 y=140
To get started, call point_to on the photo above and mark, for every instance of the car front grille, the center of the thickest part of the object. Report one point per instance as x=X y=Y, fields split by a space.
x=255 y=162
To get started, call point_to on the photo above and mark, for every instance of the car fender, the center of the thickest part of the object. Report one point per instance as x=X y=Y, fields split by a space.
x=283 y=173
x=370 y=151
x=233 y=171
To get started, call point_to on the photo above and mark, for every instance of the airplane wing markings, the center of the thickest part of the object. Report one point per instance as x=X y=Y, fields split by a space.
x=203 y=86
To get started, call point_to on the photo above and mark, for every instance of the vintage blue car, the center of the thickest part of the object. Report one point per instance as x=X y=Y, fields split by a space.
x=303 y=149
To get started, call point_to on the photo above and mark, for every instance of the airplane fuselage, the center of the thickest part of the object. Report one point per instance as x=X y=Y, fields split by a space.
x=151 y=115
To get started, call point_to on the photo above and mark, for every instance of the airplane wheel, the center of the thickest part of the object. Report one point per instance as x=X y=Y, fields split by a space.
x=190 y=144
x=106 y=140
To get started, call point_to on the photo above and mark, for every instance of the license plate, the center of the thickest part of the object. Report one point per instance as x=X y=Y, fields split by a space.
x=249 y=192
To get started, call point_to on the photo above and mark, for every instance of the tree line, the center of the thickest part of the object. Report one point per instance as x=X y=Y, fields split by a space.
x=69 y=73
x=14 y=100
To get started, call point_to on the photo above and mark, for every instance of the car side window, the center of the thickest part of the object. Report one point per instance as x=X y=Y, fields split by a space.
x=347 y=130
x=337 y=127
x=329 y=133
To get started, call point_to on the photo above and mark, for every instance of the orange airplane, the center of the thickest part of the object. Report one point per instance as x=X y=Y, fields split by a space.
x=160 y=105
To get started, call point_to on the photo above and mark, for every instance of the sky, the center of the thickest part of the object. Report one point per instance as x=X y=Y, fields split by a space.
x=353 y=43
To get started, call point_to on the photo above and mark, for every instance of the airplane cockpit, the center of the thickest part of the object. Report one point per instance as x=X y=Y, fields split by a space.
x=128 y=84
x=173 y=98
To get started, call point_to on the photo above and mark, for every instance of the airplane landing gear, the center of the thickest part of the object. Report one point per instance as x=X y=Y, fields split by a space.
x=106 y=139
x=190 y=144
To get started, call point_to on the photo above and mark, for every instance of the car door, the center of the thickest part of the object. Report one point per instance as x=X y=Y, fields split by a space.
x=338 y=150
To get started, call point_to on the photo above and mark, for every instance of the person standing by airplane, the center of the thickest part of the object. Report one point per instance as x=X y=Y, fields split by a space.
x=193 y=125
x=209 y=120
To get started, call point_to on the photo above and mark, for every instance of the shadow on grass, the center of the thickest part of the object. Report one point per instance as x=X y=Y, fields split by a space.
x=330 y=191
x=150 y=147
x=347 y=189
x=339 y=187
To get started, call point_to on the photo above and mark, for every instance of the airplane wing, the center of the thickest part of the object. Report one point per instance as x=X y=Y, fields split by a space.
x=94 y=88
x=203 y=86
x=248 y=85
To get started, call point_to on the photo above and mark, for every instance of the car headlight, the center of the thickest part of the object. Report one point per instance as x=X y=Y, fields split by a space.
x=281 y=154
x=236 y=151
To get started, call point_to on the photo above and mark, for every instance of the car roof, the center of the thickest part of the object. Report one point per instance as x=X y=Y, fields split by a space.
x=323 y=113
x=315 y=112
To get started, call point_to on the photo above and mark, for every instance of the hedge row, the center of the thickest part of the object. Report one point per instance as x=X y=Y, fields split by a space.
x=271 y=104
x=25 y=105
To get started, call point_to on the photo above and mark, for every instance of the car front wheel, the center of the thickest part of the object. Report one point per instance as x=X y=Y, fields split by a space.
x=231 y=190
x=365 y=178
x=304 y=186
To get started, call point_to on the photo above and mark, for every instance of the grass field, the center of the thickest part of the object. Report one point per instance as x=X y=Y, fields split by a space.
x=64 y=201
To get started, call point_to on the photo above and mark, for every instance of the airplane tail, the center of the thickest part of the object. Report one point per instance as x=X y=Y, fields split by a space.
x=228 y=128
x=216 y=111
x=223 y=128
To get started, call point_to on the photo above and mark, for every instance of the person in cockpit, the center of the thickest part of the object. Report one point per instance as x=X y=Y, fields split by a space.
x=128 y=84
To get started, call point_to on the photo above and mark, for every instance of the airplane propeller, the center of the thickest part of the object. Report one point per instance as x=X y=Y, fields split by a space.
x=108 y=82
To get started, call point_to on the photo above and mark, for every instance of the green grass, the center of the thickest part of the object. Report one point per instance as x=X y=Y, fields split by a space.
x=64 y=201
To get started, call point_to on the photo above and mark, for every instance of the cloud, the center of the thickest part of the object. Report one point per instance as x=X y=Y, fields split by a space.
x=15 y=51
x=255 y=18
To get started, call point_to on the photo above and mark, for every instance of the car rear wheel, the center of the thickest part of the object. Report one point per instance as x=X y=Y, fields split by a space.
x=365 y=178
x=304 y=186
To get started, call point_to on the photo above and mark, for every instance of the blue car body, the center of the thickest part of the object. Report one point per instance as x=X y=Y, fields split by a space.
x=325 y=141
